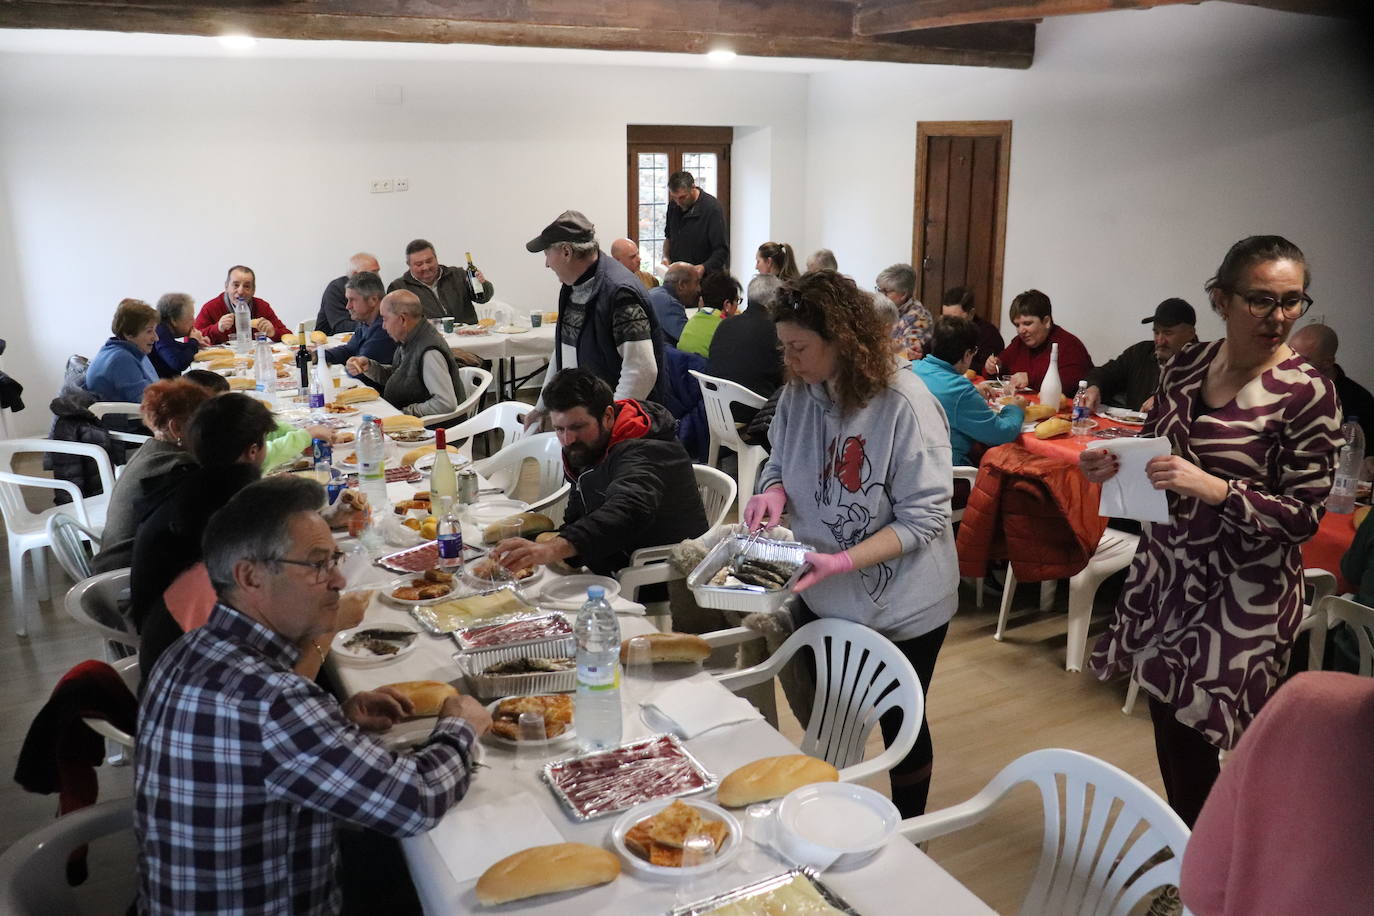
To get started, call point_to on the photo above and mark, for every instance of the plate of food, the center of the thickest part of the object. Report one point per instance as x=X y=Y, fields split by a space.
x=431 y=587
x=556 y=708
x=340 y=410
x=1122 y=415
x=650 y=837
x=425 y=463
x=411 y=435
x=515 y=633
x=510 y=329
x=485 y=573
x=472 y=332
x=375 y=644
x=471 y=610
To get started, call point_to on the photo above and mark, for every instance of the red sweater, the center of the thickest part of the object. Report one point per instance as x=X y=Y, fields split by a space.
x=207 y=322
x=1287 y=826
x=1074 y=361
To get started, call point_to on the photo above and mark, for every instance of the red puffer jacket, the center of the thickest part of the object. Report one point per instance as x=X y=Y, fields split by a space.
x=1037 y=512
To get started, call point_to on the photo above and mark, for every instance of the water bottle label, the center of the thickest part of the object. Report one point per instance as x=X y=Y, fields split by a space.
x=317 y=400
x=598 y=677
x=1079 y=413
x=451 y=546
x=370 y=470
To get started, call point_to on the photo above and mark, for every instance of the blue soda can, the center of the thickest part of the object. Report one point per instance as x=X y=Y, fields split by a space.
x=322 y=452
x=334 y=488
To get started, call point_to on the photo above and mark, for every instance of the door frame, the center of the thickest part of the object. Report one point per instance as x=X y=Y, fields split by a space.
x=1001 y=130
x=671 y=138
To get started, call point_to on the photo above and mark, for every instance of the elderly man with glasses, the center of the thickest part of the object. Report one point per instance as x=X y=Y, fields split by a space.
x=245 y=771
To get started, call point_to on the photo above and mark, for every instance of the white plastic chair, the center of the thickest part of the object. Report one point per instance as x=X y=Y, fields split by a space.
x=719 y=395
x=1113 y=554
x=1090 y=853
x=503 y=470
x=1359 y=619
x=27 y=531
x=860 y=675
x=127 y=668
x=507 y=416
x=969 y=473
x=101 y=409
x=94 y=603
x=717 y=493
x=68 y=538
x=33 y=871
x=475 y=382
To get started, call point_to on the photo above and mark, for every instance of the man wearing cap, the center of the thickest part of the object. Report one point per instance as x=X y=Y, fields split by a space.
x=605 y=322
x=1130 y=380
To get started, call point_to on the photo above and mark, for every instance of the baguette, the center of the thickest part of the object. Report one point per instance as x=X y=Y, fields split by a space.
x=773 y=777
x=242 y=383
x=356 y=395
x=1036 y=412
x=426 y=696
x=209 y=353
x=546 y=870
x=670 y=647
x=415 y=454
x=1054 y=426
x=400 y=421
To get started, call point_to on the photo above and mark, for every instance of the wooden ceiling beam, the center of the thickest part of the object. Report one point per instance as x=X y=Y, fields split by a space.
x=878 y=18
x=1343 y=9
x=794 y=28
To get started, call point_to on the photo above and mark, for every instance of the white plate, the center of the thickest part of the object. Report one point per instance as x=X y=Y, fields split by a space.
x=475 y=581
x=1122 y=415
x=363 y=657
x=569 y=733
x=489 y=511
x=420 y=435
x=455 y=590
x=728 y=849
x=835 y=823
x=425 y=463
x=510 y=329
x=573 y=589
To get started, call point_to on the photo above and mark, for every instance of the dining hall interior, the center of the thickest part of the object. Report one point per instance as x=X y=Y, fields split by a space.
x=146 y=147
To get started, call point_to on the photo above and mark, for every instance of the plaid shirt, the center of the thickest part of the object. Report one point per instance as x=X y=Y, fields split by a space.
x=244 y=770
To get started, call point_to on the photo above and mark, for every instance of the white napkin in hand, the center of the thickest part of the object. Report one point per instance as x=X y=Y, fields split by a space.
x=1130 y=494
x=698 y=705
x=472 y=839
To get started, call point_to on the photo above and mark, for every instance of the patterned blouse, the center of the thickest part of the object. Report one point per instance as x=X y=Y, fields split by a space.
x=1213 y=598
x=913 y=326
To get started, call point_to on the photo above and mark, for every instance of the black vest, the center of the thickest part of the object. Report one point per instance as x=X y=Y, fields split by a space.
x=596 y=350
x=406 y=384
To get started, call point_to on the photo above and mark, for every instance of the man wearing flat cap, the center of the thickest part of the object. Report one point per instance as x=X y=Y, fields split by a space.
x=1130 y=380
x=605 y=322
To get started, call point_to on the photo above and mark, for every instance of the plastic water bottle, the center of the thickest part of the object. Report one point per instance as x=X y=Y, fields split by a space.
x=372 y=465
x=264 y=370
x=317 y=383
x=1349 y=464
x=596 y=708
x=326 y=374
x=243 y=326
x=1051 y=388
x=450 y=535
x=1083 y=422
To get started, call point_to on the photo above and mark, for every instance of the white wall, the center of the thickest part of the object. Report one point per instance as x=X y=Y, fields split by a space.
x=1143 y=145
x=133 y=176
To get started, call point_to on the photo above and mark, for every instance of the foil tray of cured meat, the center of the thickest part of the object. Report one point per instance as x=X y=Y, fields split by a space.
x=604 y=782
x=514 y=633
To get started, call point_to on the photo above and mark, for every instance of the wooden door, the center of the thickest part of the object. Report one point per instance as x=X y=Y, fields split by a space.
x=961 y=211
x=654 y=154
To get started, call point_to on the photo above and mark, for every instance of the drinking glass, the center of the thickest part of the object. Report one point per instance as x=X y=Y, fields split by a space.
x=639 y=671
x=697 y=850
x=758 y=828
x=353 y=602
x=532 y=744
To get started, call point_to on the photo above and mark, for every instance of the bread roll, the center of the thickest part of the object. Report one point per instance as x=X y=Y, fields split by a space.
x=242 y=383
x=356 y=395
x=531 y=525
x=401 y=421
x=773 y=777
x=670 y=647
x=289 y=339
x=416 y=454
x=208 y=353
x=1055 y=426
x=319 y=337
x=1040 y=412
x=546 y=870
x=426 y=696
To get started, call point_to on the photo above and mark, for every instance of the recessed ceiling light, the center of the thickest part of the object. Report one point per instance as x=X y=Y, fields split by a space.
x=720 y=55
x=238 y=42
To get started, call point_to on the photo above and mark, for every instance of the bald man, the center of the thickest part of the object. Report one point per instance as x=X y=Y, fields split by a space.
x=1317 y=344
x=333 y=317
x=681 y=290
x=627 y=253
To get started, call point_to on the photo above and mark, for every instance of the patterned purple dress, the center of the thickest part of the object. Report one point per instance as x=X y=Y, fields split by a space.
x=1214 y=596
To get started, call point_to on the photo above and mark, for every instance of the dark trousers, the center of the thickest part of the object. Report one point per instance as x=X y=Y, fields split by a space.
x=1187 y=761
x=910 y=778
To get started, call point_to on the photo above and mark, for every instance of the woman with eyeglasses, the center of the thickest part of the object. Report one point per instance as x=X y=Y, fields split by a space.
x=1213 y=598
x=861 y=465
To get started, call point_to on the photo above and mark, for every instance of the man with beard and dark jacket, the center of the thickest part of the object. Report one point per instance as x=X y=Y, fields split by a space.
x=633 y=484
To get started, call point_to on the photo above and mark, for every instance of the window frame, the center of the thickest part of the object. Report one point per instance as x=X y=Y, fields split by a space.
x=674 y=140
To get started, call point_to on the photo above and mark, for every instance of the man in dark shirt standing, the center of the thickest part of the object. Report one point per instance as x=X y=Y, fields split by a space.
x=695 y=230
x=1130 y=380
x=333 y=316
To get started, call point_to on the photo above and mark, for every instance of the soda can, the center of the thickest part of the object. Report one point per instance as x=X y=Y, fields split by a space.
x=448 y=325
x=467 y=486
x=335 y=487
x=322 y=452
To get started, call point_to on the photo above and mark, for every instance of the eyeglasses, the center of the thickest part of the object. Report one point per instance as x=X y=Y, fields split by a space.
x=323 y=568
x=1262 y=305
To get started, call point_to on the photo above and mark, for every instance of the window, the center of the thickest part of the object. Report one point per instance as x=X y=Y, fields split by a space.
x=657 y=152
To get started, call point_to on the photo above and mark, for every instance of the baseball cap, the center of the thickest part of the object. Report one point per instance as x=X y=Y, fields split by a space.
x=1171 y=312
x=571 y=226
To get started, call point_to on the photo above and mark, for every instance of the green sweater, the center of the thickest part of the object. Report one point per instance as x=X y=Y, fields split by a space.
x=697 y=334
x=285 y=443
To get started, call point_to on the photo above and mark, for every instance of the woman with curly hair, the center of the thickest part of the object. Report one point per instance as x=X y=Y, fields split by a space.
x=777 y=258
x=861 y=464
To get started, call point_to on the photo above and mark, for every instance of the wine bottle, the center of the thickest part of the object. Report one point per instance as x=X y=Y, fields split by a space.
x=474 y=284
x=303 y=358
x=442 y=482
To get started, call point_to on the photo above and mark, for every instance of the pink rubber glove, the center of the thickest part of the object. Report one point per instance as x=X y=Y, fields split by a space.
x=765 y=509
x=823 y=566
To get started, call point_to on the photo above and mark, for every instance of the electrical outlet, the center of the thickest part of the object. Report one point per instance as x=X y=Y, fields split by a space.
x=402 y=184
x=381 y=186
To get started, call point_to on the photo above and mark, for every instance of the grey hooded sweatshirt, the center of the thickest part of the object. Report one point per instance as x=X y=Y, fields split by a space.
x=849 y=476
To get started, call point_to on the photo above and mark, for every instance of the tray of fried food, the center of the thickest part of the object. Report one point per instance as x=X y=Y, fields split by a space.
x=748 y=573
x=430 y=587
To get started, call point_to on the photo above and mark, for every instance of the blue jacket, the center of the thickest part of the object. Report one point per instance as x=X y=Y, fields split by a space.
x=171 y=357
x=671 y=315
x=119 y=372
x=683 y=398
x=970 y=418
x=368 y=340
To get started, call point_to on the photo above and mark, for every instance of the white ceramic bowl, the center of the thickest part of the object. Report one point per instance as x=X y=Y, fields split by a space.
x=834 y=824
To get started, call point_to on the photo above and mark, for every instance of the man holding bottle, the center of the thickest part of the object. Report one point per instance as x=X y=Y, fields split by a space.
x=443 y=291
x=216 y=317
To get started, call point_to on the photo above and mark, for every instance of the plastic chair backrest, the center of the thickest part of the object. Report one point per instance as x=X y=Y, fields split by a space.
x=476 y=382
x=962 y=472
x=503 y=467
x=507 y=416
x=33 y=871
x=1359 y=619
x=118 y=408
x=16 y=511
x=718 y=491
x=94 y=603
x=719 y=394
x=68 y=538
